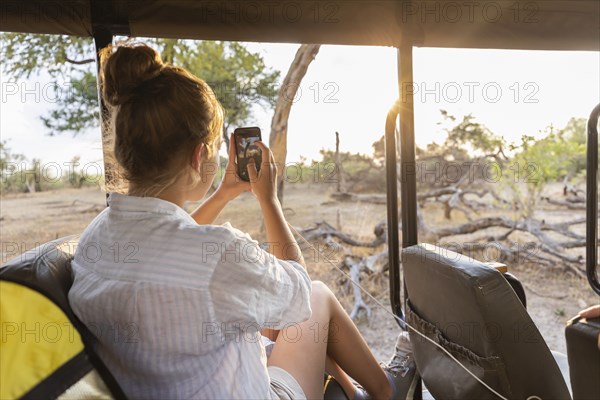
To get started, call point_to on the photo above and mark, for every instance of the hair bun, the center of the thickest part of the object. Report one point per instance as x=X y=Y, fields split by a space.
x=125 y=69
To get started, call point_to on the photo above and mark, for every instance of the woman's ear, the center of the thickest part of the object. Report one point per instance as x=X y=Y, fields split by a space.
x=197 y=156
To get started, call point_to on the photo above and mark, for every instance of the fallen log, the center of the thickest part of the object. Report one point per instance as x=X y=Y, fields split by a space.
x=546 y=250
x=359 y=303
x=570 y=204
x=359 y=197
x=323 y=229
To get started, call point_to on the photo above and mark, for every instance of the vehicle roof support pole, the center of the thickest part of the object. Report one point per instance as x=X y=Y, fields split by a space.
x=103 y=38
x=592 y=201
x=405 y=108
x=408 y=165
x=103 y=30
x=391 y=165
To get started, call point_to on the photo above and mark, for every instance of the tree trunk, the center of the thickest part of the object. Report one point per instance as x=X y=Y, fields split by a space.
x=338 y=165
x=289 y=88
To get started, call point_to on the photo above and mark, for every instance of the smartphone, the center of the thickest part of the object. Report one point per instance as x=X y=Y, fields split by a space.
x=246 y=148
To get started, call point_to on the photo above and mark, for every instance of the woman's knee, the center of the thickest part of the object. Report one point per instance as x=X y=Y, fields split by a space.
x=321 y=292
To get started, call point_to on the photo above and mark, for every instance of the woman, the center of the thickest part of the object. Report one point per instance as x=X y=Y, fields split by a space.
x=178 y=304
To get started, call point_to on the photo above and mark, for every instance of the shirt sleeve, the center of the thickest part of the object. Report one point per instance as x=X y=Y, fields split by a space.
x=250 y=285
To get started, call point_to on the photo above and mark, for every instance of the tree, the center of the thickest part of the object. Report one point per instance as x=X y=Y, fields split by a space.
x=65 y=59
x=361 y=173
x=240 y=78
x=471 y=135
x=551 y=240
x=575 y=130
x=11 y=165
x=575 y=134
x=278 y=139
x=559 y=155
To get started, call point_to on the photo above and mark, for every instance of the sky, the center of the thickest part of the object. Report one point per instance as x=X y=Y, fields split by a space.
x=350 y=89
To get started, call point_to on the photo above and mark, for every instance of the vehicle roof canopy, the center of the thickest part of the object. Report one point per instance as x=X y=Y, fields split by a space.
x=500 y=24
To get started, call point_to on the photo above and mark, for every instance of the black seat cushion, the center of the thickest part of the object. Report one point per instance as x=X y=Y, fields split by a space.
x=584 y=357
x=472 y=311
x=47 y=269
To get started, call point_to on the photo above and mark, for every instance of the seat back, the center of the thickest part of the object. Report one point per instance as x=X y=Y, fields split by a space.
x=46 y=351
x=584 y=357
x=472 y=311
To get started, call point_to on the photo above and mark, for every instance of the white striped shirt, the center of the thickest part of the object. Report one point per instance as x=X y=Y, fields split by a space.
x=177 y=306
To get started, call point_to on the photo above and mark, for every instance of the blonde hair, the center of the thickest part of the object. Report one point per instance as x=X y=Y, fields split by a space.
x=159 y=113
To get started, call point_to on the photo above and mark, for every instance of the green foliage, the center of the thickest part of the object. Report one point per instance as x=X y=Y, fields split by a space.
x=466 y=141
x=76 y=106
x=70 y=63
x=6 y=156
x=551 y=158
x=9 y=166
x=462 y=157
x=240 y=78
x=60 y=56
x=75 y=175
x=523 y=175
x=360 y=172
x=18 y=175
x=559 y=155
x=379 y=150
x=469 y=138
x=575 y=131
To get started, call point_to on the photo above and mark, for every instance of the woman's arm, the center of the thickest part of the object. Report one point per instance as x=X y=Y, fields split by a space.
x=269 y=288
x=207 y=212
x=283 y=245
x=282 y=242
x=231 y=186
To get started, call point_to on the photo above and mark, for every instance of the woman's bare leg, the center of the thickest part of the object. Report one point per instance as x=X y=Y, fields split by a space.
x=301 y=349
x=331 y=367
x=340 y=377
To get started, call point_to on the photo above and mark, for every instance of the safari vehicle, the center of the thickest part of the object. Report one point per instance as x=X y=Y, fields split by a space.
x=439 y=287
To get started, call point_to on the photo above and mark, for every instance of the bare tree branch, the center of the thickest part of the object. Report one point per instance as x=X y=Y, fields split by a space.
x=79 y=62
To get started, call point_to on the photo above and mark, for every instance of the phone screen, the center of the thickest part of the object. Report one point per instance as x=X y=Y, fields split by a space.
x=246 y=149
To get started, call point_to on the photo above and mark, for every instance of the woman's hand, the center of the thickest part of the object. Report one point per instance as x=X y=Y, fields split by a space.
x=590 y=312
x=264 y=182
x=231 y=184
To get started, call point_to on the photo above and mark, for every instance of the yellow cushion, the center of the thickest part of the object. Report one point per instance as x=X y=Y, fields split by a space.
x=36 y=339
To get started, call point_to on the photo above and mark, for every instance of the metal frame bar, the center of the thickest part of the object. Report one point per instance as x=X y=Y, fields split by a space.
x=592 y=201
x=404 y=108
x=391 y=166
x=408 y=166
x=103 y=37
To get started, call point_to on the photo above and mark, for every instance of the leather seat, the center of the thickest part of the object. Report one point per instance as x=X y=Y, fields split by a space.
x=584 y=357
x=46 y=269
x=471 y=310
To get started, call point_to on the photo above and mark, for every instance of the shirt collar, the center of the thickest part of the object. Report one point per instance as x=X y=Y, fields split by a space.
x=123 y=202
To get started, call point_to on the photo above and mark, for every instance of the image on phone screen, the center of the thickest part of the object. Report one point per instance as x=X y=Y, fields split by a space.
x=246 y=149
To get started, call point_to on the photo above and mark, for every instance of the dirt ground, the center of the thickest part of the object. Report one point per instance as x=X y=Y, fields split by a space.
x=27 y=220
